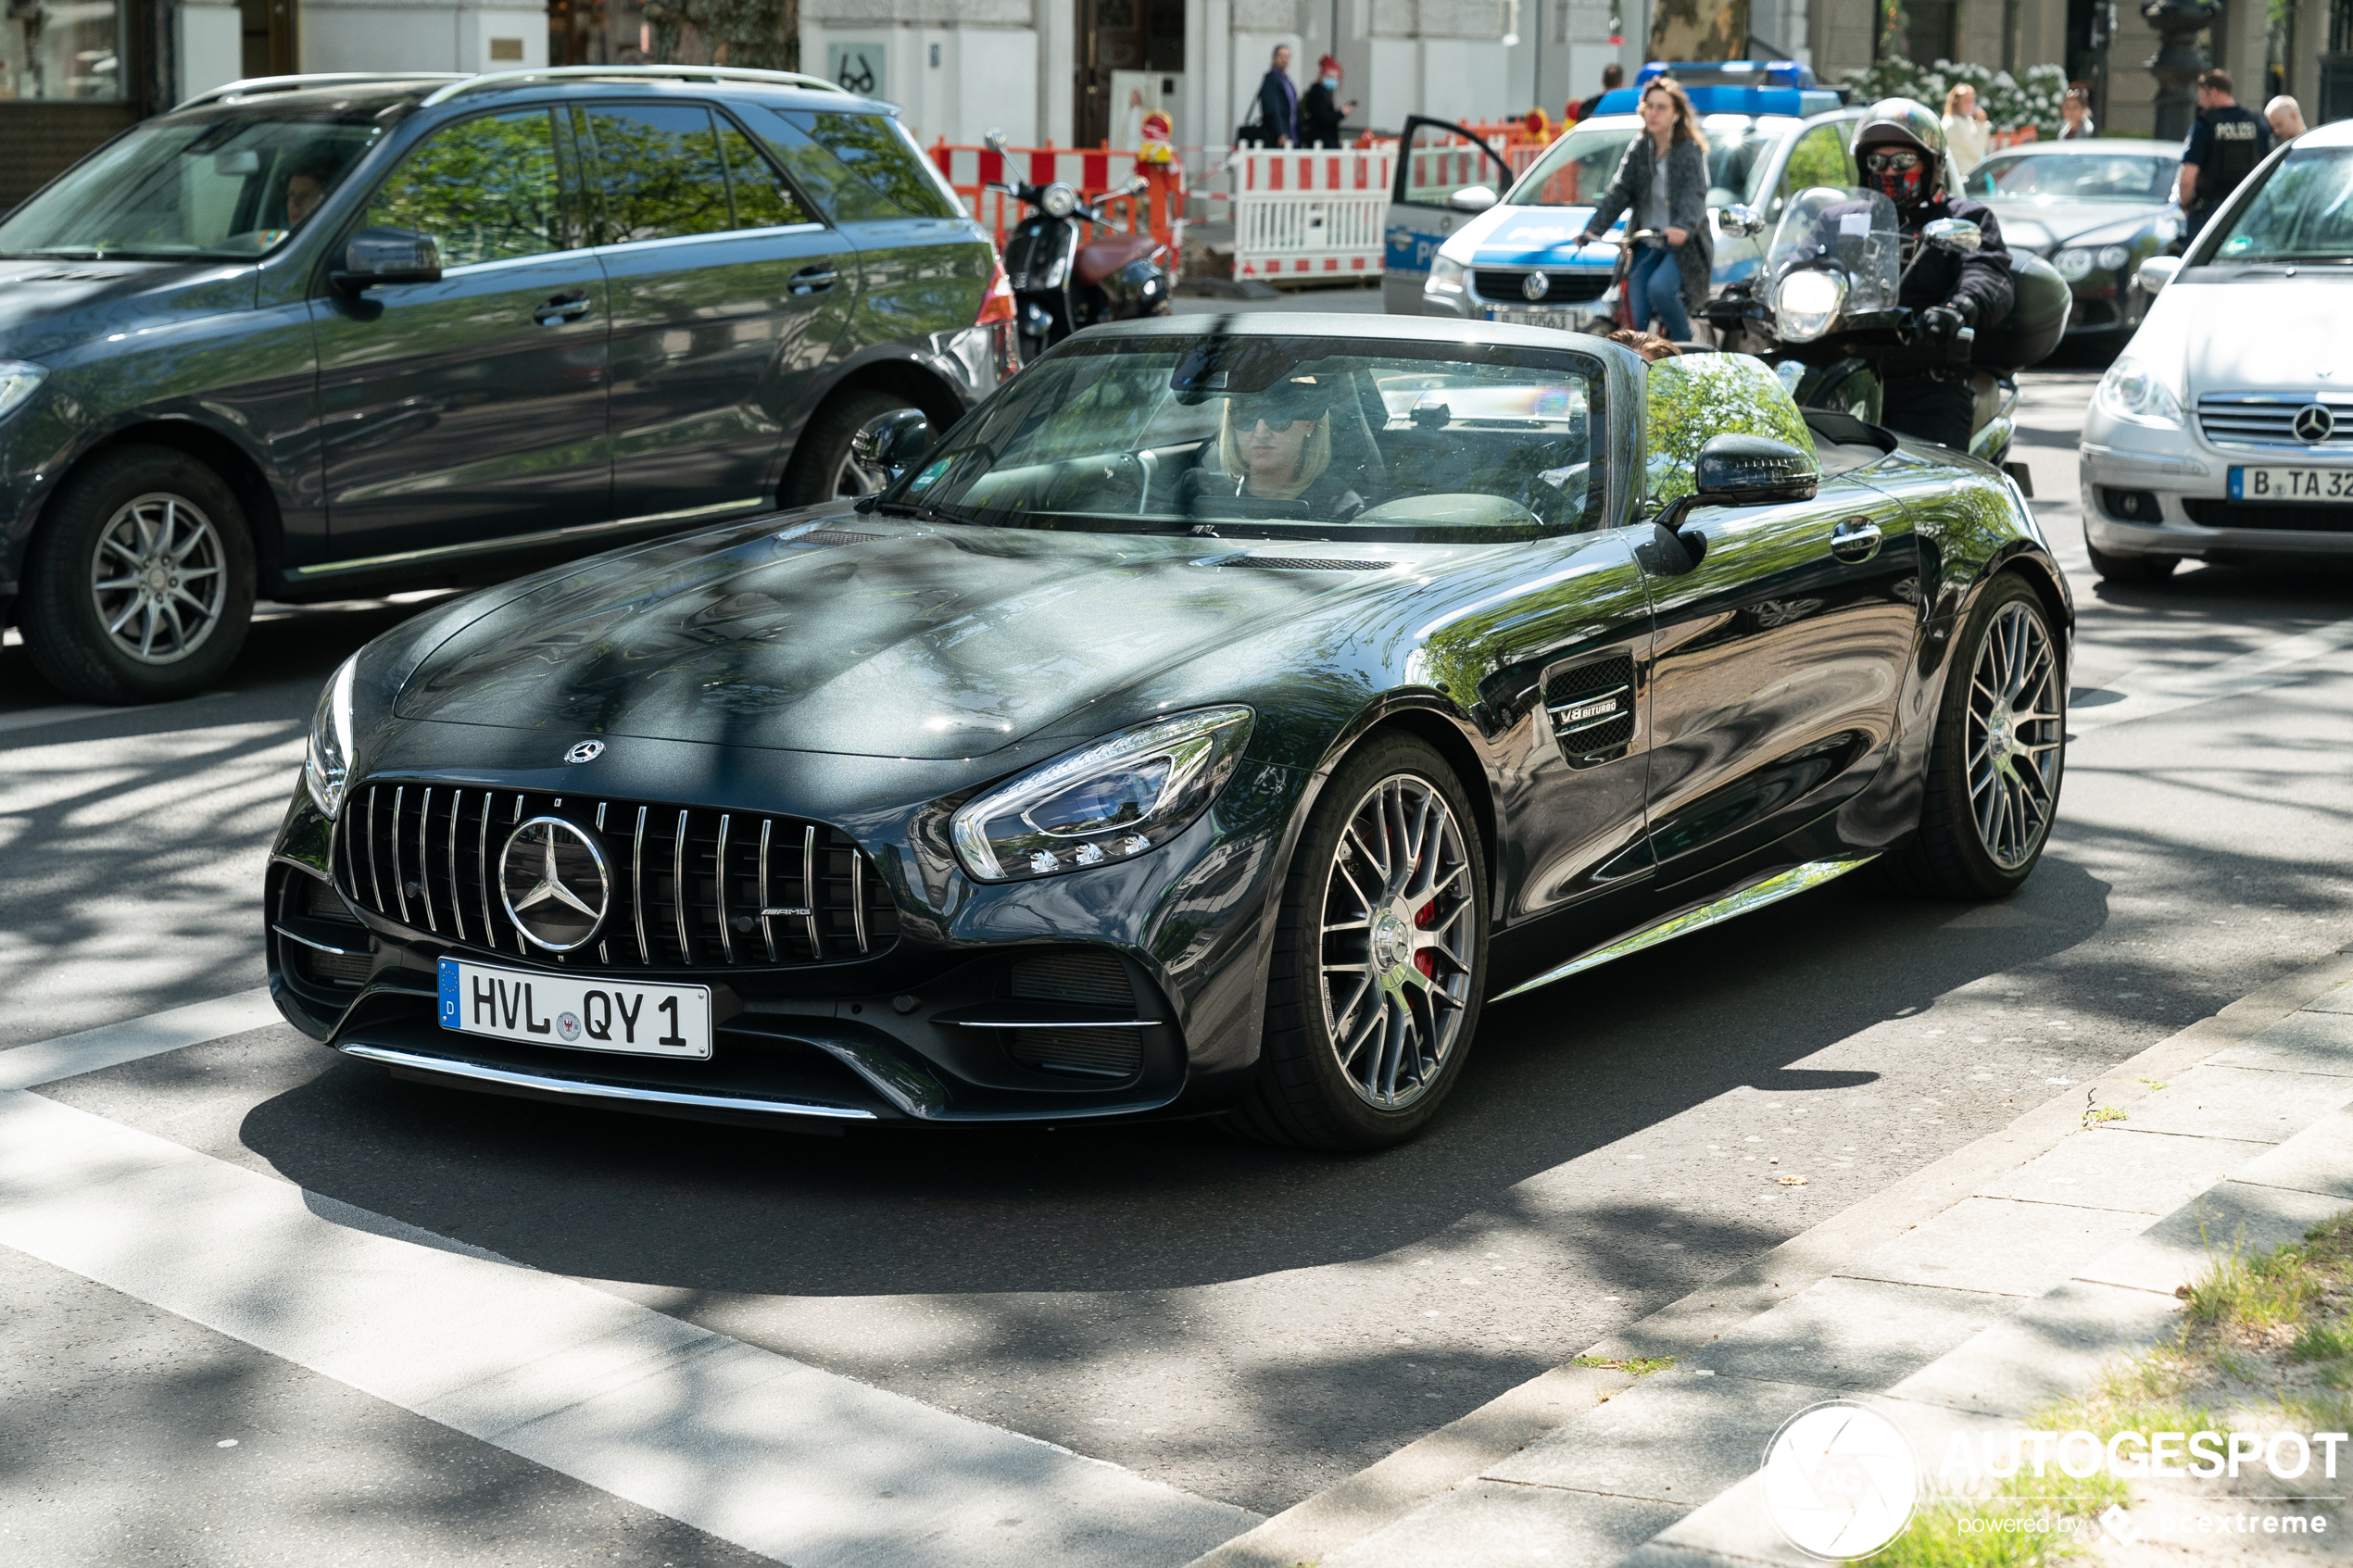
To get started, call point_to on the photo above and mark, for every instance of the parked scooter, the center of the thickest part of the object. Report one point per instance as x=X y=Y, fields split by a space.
x=1825 y=310
x=1061 y=282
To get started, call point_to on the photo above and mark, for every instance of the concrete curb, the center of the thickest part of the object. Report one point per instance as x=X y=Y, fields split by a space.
x=1397 y=1510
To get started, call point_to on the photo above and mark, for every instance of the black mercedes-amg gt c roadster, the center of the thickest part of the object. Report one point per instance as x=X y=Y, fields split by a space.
x=1208 y=724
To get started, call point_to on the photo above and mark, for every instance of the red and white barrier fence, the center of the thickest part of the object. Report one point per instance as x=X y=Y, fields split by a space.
x=1316 y=213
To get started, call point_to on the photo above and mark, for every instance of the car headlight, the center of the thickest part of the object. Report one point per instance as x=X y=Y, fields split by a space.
x=1059 y=200
x=2073 y=265
x=326 y=767
x=2132 y=391
x=19 y=380
x=1446 y=275
x=2113 y=258
x=1111 y=800
x=1807 y=303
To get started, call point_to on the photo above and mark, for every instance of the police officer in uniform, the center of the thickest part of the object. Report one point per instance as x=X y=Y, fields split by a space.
x=2225 y=143
x=1900 y=148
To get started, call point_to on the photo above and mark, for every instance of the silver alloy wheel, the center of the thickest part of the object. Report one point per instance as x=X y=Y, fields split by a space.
x=159 y=577
x=1399 y=941
x=855 y=479
x=2015 y=745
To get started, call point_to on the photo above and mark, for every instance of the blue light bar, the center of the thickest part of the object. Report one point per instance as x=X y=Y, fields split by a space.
x=1730 y=100
x=1730 y=73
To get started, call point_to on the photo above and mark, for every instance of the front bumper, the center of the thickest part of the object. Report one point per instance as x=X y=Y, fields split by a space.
x=2140 y=502
x=1128 y=990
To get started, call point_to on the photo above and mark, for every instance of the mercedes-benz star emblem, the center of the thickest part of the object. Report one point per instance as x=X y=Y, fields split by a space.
x=585 y=751
x=1536 y=285
x=553 y=879
x=2315 y=423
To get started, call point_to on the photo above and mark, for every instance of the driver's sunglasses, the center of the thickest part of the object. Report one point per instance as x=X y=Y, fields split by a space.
x=1902 y=160
x=1277 y=414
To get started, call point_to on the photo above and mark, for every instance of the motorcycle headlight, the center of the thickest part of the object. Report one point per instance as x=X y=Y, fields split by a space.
x=2132 y=391
x=2113 y=258
x=1446 y=275
x=19 y=380
x=1059 y=200
x=2072 y=265
x=1111 y=800
x=326 y=767
x=1806 y=303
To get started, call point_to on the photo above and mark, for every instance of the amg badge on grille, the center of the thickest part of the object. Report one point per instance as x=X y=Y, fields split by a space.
x=555 y=883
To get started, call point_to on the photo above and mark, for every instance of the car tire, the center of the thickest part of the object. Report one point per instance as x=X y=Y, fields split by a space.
x=1333 y=1069
x=139 y=586
x=821 y=469
x=2131 y=571
x=1998 y=756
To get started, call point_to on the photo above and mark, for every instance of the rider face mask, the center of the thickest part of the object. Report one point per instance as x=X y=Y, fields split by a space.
x=1897 y=173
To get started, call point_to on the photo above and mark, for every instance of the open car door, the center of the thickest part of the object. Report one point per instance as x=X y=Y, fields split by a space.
x=1435 y=158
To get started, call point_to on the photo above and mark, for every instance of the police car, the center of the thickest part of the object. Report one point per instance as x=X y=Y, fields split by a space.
x=1454 y=249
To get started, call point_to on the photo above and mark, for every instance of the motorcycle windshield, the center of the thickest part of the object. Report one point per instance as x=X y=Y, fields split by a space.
x=1851 y=229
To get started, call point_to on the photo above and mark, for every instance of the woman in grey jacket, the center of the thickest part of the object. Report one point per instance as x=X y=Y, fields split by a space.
x=1662 y=179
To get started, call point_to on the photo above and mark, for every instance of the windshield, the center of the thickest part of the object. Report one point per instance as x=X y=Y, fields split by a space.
x=2075 y=177
x=1259 y=437
x=228 y=189
x=1844 y=228
x=2304 y=212
x=1575 y=170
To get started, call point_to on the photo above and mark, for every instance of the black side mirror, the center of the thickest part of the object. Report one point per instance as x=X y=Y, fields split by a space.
x=892 y=444
x=376 y=257
x=1742 y=470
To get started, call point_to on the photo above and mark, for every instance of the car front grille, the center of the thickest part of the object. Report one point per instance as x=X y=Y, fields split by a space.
x=2268 y=419
x=1506 y=286
x=686 y=888
x=2289 y=516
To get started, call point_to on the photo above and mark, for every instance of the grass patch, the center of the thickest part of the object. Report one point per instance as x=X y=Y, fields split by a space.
x=2027 y=1522
x=2100 y=1113
x=1641 y=1366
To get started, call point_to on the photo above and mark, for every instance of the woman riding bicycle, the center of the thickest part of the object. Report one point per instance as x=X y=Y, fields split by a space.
x=1662 y=179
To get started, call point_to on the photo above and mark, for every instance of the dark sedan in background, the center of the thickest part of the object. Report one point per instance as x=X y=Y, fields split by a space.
x=2095 y=210
x=1211 y=723
x=317 y=337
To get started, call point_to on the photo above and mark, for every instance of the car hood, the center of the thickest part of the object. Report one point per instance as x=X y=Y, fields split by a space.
x=864 y=636
x=2232 y=339
x=46 y=304
x=2041 y=227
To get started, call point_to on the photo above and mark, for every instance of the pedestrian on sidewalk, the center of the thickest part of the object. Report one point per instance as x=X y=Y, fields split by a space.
x=1662 y=182
x=1612 y=78
x=2075 y=115
x=1966 y=128
x=1320 y=112
x=1279 y=103
x=2286 y=117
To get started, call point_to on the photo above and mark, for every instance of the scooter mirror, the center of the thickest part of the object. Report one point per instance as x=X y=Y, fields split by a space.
x=1741 y=222
x=1956 y=234
x=1137 y=184
x=994 y=140
x=1472 y=199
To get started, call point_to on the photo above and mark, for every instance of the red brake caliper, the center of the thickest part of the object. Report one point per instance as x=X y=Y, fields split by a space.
x=1425 y=960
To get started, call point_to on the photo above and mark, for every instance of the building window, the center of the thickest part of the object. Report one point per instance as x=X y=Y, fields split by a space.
x=52 y=52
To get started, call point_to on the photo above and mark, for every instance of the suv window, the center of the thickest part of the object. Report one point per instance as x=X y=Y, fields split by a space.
x=660 y=170
x=486 y=189
x=862 y=167
x=763 y=200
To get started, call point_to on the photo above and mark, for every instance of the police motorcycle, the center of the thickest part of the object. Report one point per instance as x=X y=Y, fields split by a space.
x=1061 y=282
x=1824 y=312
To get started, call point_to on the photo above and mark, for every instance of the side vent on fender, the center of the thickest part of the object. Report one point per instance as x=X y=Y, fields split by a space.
x=1591 y=708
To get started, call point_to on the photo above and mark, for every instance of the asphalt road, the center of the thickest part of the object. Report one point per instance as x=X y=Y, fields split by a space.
x=1244 y=1325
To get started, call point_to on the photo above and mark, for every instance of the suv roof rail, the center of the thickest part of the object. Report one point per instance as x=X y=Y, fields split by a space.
x=254 y=85
x=673 y=73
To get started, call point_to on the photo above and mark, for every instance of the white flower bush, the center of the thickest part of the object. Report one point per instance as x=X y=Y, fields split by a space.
x=2032 y=98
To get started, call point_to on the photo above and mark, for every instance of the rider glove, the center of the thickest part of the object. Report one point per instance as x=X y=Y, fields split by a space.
x=1944 y=321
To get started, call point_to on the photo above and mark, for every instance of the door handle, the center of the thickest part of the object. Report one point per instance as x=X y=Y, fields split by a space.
x=563 y=308
x=1854 y=540
x=814 y=280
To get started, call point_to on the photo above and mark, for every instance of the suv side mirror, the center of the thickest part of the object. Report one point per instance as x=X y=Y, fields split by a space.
x=1956 y=234
x=2157 y=271
x=376 y=257
x=892 y=444
x=1472 y=199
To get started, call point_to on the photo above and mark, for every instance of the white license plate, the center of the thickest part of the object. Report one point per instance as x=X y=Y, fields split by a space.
x=578 y=1012
x=2292 y=484
x=1556 y=320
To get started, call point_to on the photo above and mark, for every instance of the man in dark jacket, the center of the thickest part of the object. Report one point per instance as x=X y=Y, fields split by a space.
x=1612 y=78
x=1279 y=103
x=1900 y=148
x=2225 y=143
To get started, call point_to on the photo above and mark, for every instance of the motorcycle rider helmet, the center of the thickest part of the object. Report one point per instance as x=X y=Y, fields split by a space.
x=1893 y=127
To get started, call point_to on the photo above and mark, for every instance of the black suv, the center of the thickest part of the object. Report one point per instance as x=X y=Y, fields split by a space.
x=313 y=337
